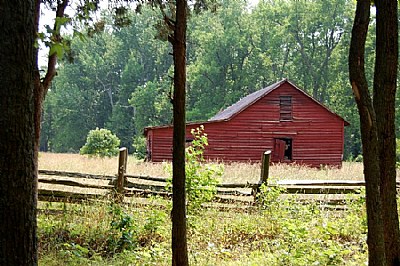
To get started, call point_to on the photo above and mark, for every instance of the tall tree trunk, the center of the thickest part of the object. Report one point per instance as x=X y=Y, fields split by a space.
x=385 y=77
x=18 y=243
x=179 y=241
x=369 y=134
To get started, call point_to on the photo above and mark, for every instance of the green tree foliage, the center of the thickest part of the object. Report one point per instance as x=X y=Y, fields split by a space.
x=95 y=89
x=151 y=103
x=69 y=119
x=121 y=78
x=84 y=94
x=225 y=65
x=101 y=142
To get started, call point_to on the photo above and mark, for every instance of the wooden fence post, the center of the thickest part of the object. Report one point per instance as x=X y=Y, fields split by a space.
x=122 y=162
x=264 y=172
x=265 y=167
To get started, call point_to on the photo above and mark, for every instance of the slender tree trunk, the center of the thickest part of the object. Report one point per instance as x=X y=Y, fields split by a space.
x=42 y=86
x=369 y=134
x=385 y=77
x=18 y=243
x=179 y=241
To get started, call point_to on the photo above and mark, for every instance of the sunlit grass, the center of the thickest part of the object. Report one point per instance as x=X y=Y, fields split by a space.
x=233 y=173
x=93 y=165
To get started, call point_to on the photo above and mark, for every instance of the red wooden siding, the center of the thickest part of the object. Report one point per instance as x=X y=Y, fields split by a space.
x=316 y=134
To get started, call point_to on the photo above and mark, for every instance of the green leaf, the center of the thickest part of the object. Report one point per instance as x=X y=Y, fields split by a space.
x=57 y=48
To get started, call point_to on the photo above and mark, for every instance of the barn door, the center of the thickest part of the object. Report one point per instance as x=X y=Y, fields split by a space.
x=278 y=154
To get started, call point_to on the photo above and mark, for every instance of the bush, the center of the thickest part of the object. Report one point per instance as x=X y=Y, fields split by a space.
x=139 y=147
x=101 y=142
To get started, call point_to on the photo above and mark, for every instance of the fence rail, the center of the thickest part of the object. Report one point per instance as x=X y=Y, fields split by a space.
x=81 y=186
x=134 y=181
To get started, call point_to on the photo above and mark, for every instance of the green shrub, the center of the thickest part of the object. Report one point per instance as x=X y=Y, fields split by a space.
x=139 y=147
x=201 y=178
x=101 y=142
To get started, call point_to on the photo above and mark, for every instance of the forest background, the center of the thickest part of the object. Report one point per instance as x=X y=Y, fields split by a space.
x=121 y=78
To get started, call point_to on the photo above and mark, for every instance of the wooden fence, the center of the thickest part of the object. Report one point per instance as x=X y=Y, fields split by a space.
x=71 y=187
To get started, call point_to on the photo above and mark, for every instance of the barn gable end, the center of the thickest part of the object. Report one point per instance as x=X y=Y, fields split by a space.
x=281 y=118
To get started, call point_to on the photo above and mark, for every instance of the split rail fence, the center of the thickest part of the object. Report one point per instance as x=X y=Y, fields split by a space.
x=72 y=187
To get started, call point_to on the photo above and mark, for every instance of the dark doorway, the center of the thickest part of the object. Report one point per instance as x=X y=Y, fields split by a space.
x=282 y=150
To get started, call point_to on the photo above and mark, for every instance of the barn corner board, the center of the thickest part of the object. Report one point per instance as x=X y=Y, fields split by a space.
x=281 y=118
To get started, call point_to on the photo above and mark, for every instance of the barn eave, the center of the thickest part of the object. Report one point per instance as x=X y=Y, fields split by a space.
x=238 y=107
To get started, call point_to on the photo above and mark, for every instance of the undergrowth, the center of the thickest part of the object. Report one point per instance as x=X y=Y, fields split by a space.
x=278 y=231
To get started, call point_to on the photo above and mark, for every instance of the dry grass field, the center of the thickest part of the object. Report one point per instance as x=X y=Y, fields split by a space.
x=234 y=172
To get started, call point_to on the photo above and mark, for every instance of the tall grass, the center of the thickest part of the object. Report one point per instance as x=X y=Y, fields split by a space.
x=233 y=173
x=279 y=231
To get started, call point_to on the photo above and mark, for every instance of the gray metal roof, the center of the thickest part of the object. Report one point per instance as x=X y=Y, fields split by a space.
x=243 y=103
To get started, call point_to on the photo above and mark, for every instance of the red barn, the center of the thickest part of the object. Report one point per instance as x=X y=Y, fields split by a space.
x=281 y=118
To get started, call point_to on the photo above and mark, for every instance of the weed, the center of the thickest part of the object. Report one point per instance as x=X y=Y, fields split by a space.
x=201 y=178
x=125 y=236
x=268 y=197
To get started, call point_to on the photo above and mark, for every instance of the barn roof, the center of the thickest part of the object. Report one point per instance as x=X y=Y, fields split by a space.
x=250 y=99
x=242 y=104
x=245 y=102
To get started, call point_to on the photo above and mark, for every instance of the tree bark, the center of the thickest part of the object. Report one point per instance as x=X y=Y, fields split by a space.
x=385 y=77
x=18 y=196
x=369 y=134
x=179 y=241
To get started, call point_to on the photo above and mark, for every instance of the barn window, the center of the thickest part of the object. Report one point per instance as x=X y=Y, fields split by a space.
x=285 y=105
